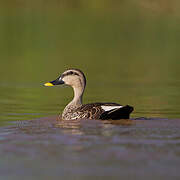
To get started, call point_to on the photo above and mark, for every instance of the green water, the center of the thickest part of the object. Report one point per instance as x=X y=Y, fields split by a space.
x=127 y=59
x=129 y=54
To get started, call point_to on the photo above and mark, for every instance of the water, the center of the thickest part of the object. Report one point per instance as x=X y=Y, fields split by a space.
x=133 y=149
x=129 y=57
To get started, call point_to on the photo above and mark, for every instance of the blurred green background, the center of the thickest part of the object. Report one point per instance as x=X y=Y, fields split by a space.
x=128 y=49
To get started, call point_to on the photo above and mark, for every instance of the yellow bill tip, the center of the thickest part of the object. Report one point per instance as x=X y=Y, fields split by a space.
x=48 y=84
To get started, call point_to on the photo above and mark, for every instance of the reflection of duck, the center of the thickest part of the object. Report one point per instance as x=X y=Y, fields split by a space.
x=76 y=110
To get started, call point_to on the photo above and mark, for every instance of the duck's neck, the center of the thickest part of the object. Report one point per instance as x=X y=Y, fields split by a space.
x=78 y=94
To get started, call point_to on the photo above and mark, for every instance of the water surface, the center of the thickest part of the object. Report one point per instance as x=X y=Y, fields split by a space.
x=47 y=148
x=129 y=54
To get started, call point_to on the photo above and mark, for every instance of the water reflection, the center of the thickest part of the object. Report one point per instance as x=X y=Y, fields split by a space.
x=71 y=127
x=81 y=126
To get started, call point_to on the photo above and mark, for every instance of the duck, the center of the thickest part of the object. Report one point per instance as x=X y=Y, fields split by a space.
x=77 y=110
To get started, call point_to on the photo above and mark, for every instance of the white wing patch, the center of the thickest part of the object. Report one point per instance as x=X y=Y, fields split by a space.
x=108 y=108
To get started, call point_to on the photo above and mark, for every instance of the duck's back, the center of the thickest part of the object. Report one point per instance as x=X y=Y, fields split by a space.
x=101 y=111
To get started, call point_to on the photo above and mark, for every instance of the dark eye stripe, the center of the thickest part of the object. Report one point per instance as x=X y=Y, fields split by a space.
x=69 y=73
x=75 y=73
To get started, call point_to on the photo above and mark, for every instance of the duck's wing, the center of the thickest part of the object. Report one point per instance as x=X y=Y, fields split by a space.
x=105 y=111
x=90 y=111
x=116 y=112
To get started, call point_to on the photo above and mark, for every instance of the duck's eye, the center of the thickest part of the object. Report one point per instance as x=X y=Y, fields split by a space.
x=70 y=73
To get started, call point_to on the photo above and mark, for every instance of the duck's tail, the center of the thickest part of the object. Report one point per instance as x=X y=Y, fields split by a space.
x=118 y=113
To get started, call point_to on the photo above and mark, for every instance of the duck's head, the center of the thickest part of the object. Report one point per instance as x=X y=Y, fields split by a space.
x=71 y=77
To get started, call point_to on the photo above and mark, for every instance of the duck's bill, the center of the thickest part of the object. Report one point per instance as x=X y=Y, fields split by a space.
x=55 y=82
x=48 y=84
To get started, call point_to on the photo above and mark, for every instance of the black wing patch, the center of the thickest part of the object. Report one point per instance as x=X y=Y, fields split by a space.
x=114 y=114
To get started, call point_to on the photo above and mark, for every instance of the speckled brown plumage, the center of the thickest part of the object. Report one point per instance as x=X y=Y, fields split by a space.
x=95 y=111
